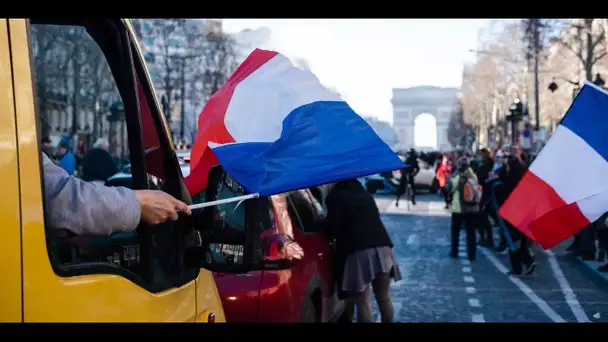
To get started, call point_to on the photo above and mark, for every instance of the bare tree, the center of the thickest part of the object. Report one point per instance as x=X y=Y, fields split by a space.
x=584 y=38
x=164 y=42
x=497 y=77
x=191 y=60
x=457 y=128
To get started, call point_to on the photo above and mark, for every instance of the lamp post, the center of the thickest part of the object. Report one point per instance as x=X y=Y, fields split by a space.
x=598 y=81
x=517 y=109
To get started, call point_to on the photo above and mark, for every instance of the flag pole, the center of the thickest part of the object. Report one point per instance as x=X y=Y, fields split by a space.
x=223 y=201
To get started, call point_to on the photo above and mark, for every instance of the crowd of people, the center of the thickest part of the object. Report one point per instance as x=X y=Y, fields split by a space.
x=495 y=174
x=474 y=186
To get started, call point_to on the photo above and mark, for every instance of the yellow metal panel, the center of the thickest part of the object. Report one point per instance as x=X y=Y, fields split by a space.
x=208 y=299
x=48 y=297
x=10 y=253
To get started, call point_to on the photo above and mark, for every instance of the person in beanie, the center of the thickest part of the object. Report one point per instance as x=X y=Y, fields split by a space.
x=64 y=155
x=363 y=256
x=466 y=195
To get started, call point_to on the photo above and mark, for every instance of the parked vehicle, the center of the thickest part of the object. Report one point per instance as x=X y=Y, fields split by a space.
x=297 y=294
x=157 y=273
x=388 y=183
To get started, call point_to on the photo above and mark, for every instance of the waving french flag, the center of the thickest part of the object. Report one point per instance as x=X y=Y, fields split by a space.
x=274 y=128
x=566 y=187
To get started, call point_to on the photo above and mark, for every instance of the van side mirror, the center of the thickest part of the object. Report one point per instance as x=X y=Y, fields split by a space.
x=229 y=233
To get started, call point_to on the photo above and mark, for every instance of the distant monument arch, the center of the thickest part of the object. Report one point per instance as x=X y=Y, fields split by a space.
x=409 y=103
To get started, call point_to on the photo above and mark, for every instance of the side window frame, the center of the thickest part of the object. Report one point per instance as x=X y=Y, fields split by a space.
x=297 y=218
x=127 y=86
x=174 y=183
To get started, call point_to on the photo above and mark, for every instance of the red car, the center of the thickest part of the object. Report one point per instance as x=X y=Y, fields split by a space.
x=295 y=294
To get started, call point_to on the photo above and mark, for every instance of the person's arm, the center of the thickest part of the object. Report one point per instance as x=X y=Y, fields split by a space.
x=87 y=209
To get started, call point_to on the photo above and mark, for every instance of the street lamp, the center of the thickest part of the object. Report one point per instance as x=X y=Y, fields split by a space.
x=553 y=85
x=517 y=110
x=599 y=81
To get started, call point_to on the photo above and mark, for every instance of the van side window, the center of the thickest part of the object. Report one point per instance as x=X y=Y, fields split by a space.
x=229 y=216
x=78 y=101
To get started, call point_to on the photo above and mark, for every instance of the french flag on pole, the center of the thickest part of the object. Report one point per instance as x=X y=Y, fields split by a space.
x=274 y=128
x=566 y=187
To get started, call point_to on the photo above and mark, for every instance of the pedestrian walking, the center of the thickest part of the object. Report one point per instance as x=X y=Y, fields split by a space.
x=498 y=174
x=520 y=258
x=483 y=168
x=443 y=172
x=407 y=177
x=363 y=257
x=466 y=196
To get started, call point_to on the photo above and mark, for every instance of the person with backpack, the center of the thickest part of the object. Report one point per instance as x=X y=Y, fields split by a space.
x=466 y=194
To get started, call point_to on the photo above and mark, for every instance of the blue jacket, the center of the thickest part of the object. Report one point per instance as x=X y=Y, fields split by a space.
x=68 y=163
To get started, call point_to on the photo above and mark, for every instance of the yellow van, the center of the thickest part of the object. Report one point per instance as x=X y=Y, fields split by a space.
x=157 y=273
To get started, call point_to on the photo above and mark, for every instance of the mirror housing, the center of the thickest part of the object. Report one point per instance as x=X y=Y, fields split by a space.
x=280 y=253
x=229 y=233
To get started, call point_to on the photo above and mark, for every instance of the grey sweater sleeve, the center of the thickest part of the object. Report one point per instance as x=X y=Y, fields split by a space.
x=85 y=208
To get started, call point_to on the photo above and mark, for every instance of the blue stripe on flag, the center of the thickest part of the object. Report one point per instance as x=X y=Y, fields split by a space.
x=320 y=143
x=588 y=118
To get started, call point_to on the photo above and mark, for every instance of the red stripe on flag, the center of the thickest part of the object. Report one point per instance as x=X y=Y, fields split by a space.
x=211 y=125
x=535 y=209
x=558 y=225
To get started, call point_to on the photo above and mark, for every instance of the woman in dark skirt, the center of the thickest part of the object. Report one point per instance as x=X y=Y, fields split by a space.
x=363 y=257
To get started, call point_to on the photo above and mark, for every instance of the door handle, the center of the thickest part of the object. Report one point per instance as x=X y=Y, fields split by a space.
x=244 y=275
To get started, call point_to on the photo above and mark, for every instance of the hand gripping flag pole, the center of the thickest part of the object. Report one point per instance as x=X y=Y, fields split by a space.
x=240 y=199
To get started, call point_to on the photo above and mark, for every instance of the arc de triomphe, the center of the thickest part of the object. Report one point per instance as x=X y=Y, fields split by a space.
x=408 y=103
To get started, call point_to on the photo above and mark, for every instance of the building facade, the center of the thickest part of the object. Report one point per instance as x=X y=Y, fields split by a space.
x=384 y=130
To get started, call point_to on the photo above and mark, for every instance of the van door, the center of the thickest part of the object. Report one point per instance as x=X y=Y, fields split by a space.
x=10 y=253
x=129 y=277
x=208 y=303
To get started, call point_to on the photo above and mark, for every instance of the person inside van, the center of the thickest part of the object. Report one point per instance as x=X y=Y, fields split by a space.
x=89 y=209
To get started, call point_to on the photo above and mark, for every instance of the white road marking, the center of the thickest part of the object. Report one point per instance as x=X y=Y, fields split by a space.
x=478 y=318
x=569 y=295
x=470 y=289
x=437 y=207
x=474 y=303
x=442 y=241
x=542 y=305
x=465 y=262
x=412 y=239
x=466 y=270
x=462 y=248
x=469 y=279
